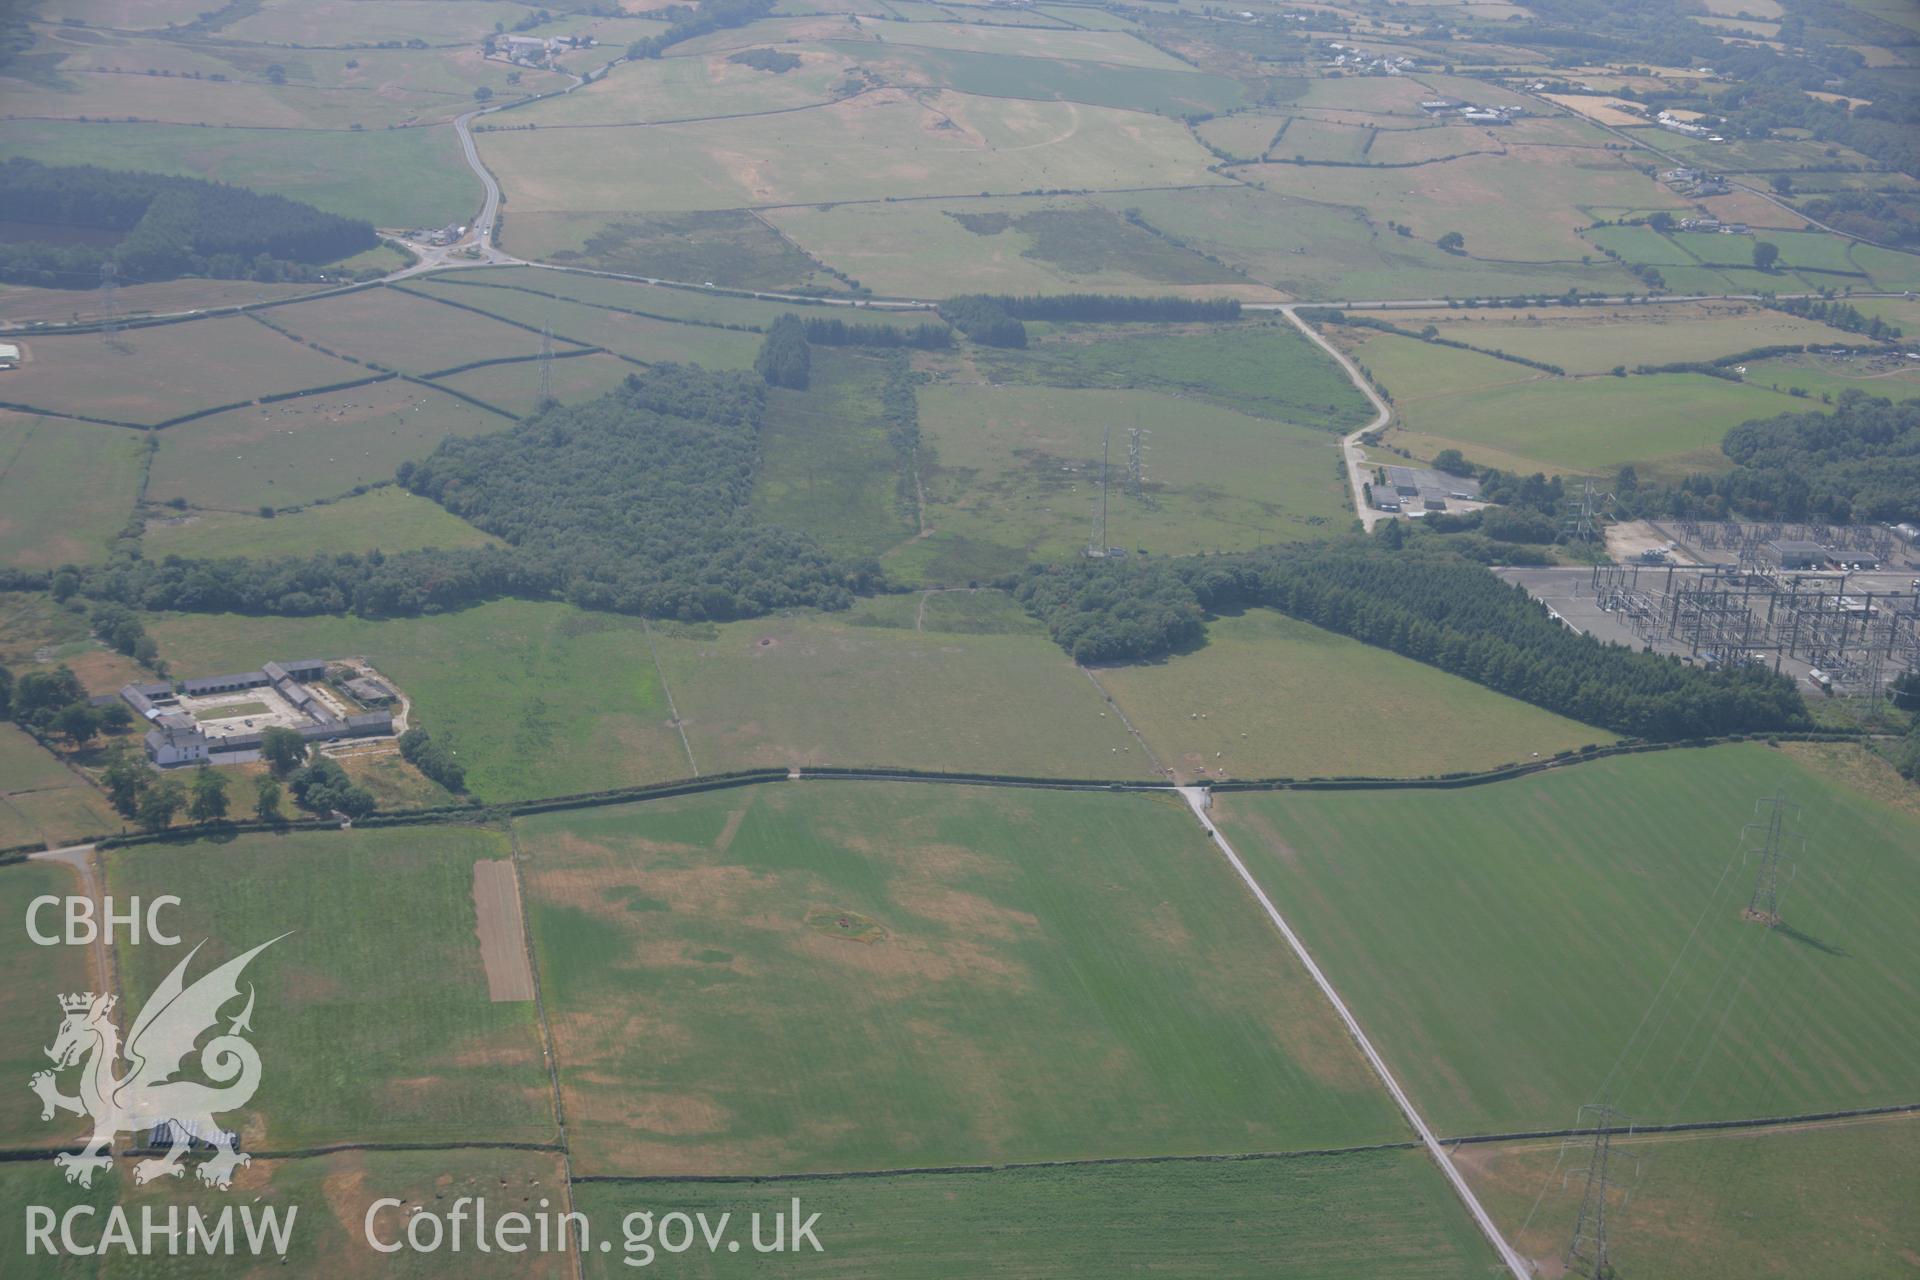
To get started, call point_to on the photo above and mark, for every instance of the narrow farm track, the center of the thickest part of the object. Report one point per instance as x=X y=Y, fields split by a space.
x=1196 y=798
x=1351 y=453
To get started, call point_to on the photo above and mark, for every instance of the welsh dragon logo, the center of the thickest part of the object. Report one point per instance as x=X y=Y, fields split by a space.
x=146 y=1096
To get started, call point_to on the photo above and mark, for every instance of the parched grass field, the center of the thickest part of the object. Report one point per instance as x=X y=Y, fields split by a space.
x=692 y=88
x=1015 y=470
x=1524 y=205
x=865 y=688
x=295 y=451
x=1246 y=134
x=826 y=466
x=655 y=341
x=391 y=177
x=1020 y=245
x=1466 y=929
x=537 y=699
x=1363 y=1216
x=881 y=144
x=331 y=1193
x=400 y=330
x=373 y=1015
x=928 y=975
x=323 y=22
x=1590 y=341
x=1831 y=1200
x=150 y=375
x=36 y=975
x=66 y=489
x=1269 y=696
x=387 y=519
x=36 y=631
x=1314 y=248
x=516 y=387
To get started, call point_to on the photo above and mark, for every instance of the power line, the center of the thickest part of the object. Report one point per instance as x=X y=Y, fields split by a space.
x=1588 y=1254
x=545 y=395
x=1764 y=906
x=1097 y=538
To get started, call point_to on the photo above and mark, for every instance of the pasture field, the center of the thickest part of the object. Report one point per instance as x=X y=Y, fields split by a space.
x=692 y=88
x=516 y=387
x=1017 y=469
x=295 y=451
x=1815 y=249
x=395 y=329
x=1246 y=134
x=1376 y=1215
x=1464 y=927
x=734 y=249
x=332 y=1194
x=35 y=976
x=1024 y=245
x=150 y=375
x=1268 y=369
x=21 y=304
x=1413 y=371
x=379 y=968
x=1523 y=206
x=826 y=466
x=882 y=144
x=1889 y=268
x=866 y=688
x=1118 y=48
x=1308 y=139
x=1904 y=312
x=1832 y=1200
x=538 y=699
x=1005 y=75
x=391 y=177
x=1590 y=341
x=387 y=519
x=642 y=338
x=66 y=489
x=1313 y=248
x=931 y=975
x=41 y=800
x=1829 y=376
x=325 y=22
x=1262 y=699
x=1423 y=146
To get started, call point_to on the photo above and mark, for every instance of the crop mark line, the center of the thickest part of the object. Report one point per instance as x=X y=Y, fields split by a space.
x=667 y=689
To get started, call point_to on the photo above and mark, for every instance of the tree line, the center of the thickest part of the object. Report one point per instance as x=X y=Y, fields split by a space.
x=689 y=21
x=984 y=320
x=836 y=332
x=1424 y=603
x=172 y=227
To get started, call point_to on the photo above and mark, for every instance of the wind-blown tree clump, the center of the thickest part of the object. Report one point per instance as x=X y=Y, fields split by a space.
x=984 y=320
x=784 y=359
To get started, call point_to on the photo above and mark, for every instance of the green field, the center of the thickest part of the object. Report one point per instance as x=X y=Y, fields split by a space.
x=731 y=248
x=867 y=688
x=297 y=451
x=1466 y=930
x=538 y=699
x=928 y=976
x=1771 y=1204
x=1267 y=369
x=387 y=519
x=1829 y=377
x=43 y=802
x=1010 y=75
x=1117 y=48
x=155 y=374
x=373 y=1017
x=1020 y=245
x=682 y=88
x=654 y=341
x=327 y=1197
x=1581 y=343
x=1506 y=415
x=36 y=975
x=516 y=387
x=400 y=330
x=826 y=467
x=695 y=306
x=1014 y=472
x=391 y=177
x=66 y=489
x=1270 y=697
x=1372 y=1215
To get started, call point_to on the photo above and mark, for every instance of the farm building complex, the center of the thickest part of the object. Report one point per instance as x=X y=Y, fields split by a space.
x=221 y=719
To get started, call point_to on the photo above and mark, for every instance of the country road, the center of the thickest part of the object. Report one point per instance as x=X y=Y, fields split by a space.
x=1351 y=451
x=1197 y=799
